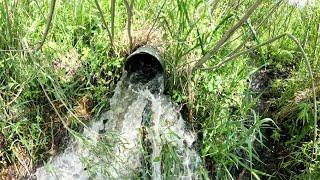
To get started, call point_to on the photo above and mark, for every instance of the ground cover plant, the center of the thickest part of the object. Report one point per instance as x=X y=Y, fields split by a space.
x=245 y=73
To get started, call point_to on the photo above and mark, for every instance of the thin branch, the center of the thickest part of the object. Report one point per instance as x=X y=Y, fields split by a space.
x=54 y=108
x=46 y=30
x=226 y=36
x=129 y=21
x=104 y=23
x=113 y=9
x=273 y=9
x=253 y=31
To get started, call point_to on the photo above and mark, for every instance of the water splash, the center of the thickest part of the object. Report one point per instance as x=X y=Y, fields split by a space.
x=142 y=136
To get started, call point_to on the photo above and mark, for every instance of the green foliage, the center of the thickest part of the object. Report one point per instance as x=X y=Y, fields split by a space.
x=34 y=90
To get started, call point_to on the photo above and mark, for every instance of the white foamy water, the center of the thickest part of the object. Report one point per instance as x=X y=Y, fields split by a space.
x=142 y=136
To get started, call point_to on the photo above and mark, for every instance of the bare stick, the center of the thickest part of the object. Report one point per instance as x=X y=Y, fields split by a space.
x=226 y=36
x=54 y=108
x=113 y=9
x=104 y=23
x=46 y=30
x=129 y=12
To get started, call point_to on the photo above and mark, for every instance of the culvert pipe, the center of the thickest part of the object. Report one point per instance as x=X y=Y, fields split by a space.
x=146 y=63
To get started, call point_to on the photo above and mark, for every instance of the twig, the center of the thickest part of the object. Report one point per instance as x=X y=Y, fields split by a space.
x=46 y=30
x=54 y=108
x=273 y=9
x=129 y=12
x=113 y=10
x=226 y=36
x=39 y=8
x=105 y=24
x=198 y=32
x=225 y=19
x=64 y=103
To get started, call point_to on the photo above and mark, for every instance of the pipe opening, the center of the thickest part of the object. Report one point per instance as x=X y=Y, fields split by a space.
x=143 y=66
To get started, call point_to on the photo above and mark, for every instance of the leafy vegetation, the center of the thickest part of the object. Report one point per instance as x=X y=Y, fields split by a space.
x=246 y=72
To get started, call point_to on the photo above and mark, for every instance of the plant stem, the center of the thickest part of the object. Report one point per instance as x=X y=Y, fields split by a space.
x=113 y=7
x=226 y=36
x=46 y=30
x=129 y=21
x=105 y=24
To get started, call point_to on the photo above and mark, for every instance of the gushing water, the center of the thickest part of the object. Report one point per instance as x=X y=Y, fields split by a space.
x=142 y=136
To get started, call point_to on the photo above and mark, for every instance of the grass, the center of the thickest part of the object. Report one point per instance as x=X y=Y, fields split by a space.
x=50 y=93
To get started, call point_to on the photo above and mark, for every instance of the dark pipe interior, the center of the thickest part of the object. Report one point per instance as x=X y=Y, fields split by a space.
x=143 y=66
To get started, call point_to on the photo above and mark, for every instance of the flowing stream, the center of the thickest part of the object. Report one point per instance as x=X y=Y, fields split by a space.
x=142 y=136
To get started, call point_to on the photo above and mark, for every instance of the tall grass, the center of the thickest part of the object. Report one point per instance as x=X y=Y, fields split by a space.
x=40 y=106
